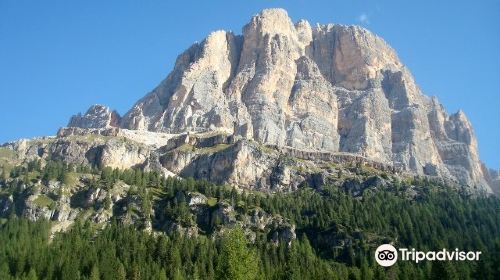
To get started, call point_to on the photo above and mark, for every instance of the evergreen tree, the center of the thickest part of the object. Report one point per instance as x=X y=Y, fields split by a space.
x=236 y=261
x=178 y=275
x=443 y=270
x=32 y=275
x=94 y=274
x=120 y=273
x=162 y=275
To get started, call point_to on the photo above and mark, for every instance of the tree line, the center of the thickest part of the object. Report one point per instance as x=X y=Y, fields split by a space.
x=337 y=234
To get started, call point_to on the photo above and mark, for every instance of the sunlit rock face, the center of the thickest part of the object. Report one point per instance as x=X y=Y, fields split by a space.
x=97 y=116
x=493 y=179
x=331 y=87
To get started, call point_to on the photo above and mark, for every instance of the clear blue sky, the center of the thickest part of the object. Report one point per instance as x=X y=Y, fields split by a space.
x=57 y=58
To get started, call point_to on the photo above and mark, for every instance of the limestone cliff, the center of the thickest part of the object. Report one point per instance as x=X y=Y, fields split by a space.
x=331 y=88
x=97 y=116
x=493 y=179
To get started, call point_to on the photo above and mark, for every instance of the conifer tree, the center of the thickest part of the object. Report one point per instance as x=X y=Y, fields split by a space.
x=94 y=273
x=236 y=261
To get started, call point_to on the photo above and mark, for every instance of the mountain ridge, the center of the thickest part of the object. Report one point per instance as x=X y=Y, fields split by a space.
x=333 y=87
x=329 y=88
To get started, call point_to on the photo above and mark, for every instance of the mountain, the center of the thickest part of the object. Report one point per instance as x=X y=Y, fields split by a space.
x=330 y=89
x=287 y=152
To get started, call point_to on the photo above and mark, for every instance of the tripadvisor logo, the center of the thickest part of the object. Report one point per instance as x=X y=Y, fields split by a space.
x=386 y=255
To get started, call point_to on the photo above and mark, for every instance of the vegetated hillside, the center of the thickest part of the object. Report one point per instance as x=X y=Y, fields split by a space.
x=139 y=225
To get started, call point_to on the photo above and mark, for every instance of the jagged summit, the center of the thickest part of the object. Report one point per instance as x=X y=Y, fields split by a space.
x=97 y=116
x=332 y=88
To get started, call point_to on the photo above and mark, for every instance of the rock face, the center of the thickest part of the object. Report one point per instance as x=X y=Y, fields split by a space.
x=331 y=88
x=493 y=178
x=97 y=116
x=495 y=185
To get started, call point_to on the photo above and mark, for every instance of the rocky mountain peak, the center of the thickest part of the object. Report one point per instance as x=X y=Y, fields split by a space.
x=332 y=88
x=97 y=116
x=270 y=22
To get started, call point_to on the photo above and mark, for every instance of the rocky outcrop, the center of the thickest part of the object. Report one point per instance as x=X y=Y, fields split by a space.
x=356 y=186
x=496 y=182
x=97 y=116
x=6 y=205
x=63 y=204
x=195 y=199
x=100 y=147
x=493 y=178
x=218 y=158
